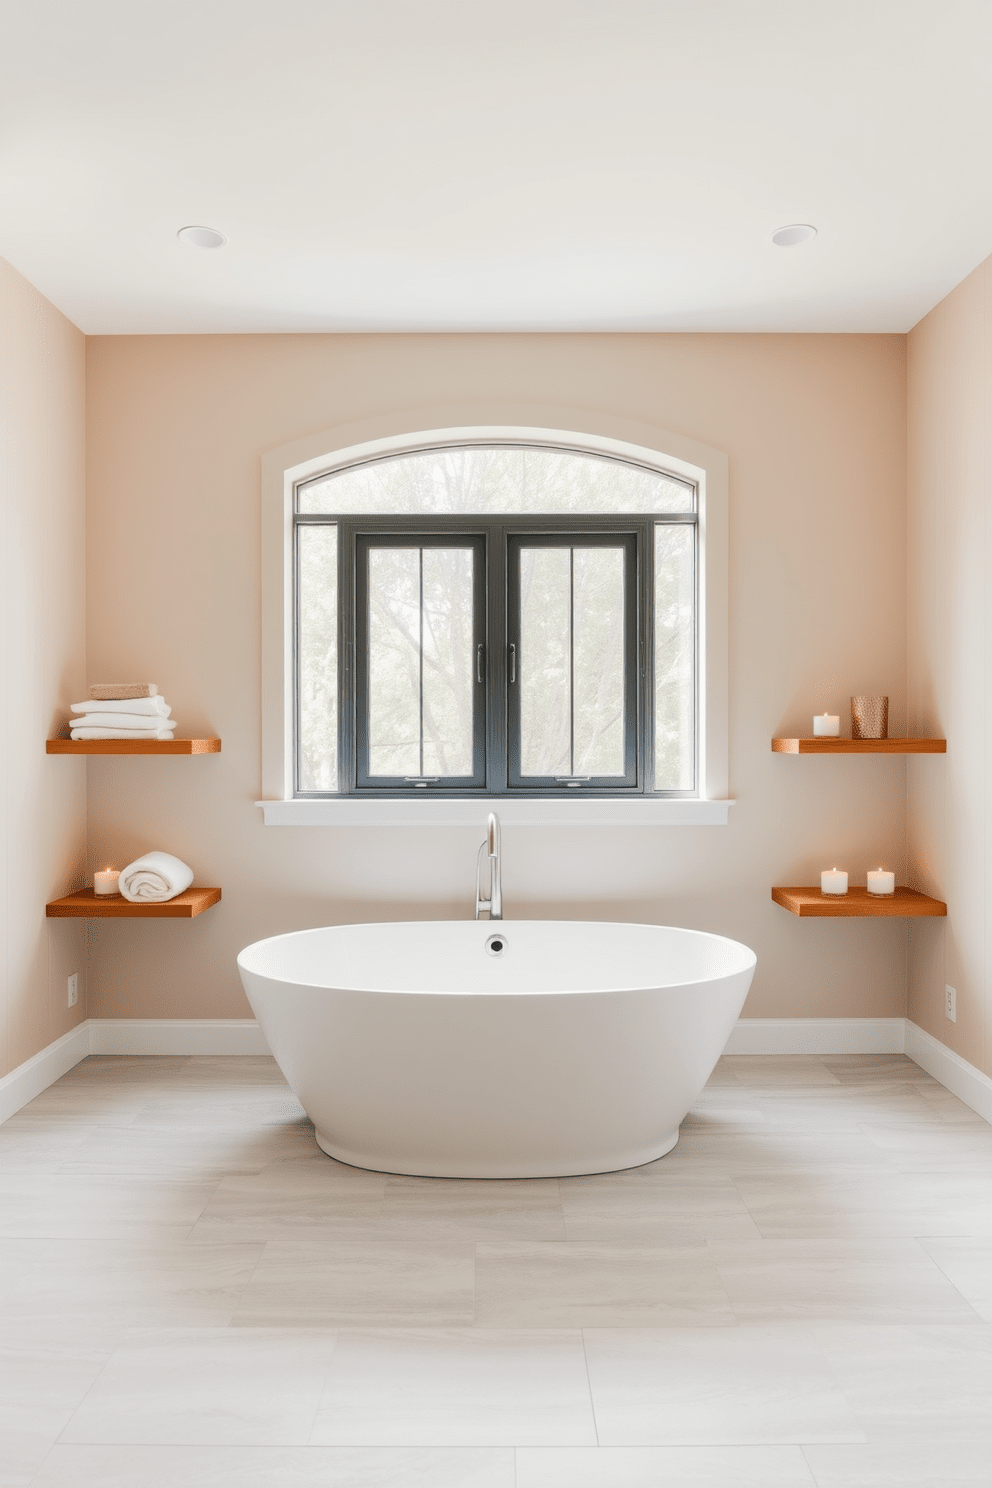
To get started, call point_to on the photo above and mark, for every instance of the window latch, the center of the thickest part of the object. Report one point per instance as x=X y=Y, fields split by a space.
x=513 y=663
x=572 y=780
x=478 y=664
x=421 y=781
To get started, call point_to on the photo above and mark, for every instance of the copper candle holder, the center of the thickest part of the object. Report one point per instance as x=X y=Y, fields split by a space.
x=869 y=718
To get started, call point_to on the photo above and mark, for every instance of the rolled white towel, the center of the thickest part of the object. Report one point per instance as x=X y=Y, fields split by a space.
x=154 y=878
x=122 y=721
x=105 y=733
x=141 y=707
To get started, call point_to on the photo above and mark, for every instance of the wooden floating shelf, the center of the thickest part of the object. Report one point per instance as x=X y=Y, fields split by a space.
x=857 y=904
x=132 y=746
x=859 y=746
x=86 y=906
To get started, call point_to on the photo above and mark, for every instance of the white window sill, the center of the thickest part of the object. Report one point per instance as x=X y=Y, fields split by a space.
x=349 y=812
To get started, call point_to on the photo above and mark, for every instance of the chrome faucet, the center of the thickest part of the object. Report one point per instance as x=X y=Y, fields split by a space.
x=494 y=904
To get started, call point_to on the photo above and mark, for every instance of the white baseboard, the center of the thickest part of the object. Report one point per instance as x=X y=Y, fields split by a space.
x=43 y=1069
x=750 y=1036
x=176 y=1036
x=956 y=1074
x=126 y=1036
x=818 y=1036
x=233 y=1036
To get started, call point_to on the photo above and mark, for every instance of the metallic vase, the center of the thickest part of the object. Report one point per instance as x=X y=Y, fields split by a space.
x=869 y=718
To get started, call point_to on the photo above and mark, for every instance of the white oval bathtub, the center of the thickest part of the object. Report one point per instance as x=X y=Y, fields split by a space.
x=577 y=1048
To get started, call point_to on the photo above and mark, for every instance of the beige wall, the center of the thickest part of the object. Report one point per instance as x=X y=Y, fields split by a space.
x=42 y=574
x=950 y=630
x=816 y=436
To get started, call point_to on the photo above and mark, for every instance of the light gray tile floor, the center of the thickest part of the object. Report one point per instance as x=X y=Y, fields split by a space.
x=798 y=1296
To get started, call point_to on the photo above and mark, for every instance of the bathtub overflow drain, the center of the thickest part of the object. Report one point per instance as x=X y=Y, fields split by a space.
x=496 y=945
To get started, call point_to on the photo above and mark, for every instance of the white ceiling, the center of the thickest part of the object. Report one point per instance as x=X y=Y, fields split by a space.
x=495 y=164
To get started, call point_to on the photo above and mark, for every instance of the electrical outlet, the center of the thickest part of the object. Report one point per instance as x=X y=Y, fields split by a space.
x=74 y=989
x=950 y=1004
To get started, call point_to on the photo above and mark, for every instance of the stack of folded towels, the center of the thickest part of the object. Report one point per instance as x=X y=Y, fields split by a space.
x=123 y=710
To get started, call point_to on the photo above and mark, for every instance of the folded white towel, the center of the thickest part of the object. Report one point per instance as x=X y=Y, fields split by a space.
x=122 y=721
x=140 y=707
x=105 y=733
x=154 y=878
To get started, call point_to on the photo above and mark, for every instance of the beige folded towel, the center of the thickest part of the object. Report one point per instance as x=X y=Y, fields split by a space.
x=141 y=707
x=113 y=690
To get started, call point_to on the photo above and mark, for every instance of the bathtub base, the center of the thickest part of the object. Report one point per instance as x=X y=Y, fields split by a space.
x=536 y=1167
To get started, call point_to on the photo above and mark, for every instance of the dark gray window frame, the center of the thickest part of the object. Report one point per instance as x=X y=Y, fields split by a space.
x=363 y=542
x=497 y=531
x=630 y=541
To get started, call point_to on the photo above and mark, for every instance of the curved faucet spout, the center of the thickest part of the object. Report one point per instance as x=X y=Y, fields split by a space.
x=491 y=847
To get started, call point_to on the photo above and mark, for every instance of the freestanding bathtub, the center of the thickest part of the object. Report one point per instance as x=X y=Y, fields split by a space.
x=496 y=1049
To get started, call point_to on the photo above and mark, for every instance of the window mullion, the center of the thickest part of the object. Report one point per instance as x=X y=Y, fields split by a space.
x=571 y=661
x=496 y=622
x=347 y=653
x=420 y=659
x=645 y=679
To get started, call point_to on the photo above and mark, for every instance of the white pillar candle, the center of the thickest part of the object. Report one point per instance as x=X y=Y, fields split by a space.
x=106 y=882
x=833 y=881
x=880 y=882
x=826 y=726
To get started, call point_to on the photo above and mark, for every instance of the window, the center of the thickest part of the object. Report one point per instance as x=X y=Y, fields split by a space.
x=496 y=619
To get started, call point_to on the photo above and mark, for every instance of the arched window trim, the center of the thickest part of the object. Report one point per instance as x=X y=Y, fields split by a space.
x=320 y=454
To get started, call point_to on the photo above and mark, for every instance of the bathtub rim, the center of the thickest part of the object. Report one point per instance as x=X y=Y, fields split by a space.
x=600 y=990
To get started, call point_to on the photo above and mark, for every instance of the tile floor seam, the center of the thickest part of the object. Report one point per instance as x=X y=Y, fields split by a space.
x=814 y=1480
x=747 y=1208
x=79 y=1404
x=592 y=1398
x=206 y=1203
x=976 y=1315
x=322 y=1392
x=258 y=1261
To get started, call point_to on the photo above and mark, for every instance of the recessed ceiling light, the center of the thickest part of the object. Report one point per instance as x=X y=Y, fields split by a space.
x=201 y=237
x=791 y=237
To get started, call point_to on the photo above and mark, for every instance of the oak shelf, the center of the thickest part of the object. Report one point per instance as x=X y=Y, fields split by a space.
x=857 y=903
x=85 y=905
x=859 y=746
x=132 y=746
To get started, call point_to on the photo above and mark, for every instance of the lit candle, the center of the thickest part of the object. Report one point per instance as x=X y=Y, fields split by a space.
x=106 y=882
x=880 y=882
x=833 y=881
x=826 y=726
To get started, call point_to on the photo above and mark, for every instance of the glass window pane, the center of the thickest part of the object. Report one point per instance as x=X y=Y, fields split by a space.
x=449 y=656
x=543 y=664
x=318 y=658
x=496 y=478
x=674 y=643
x=598 y=660
x=394 y=661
